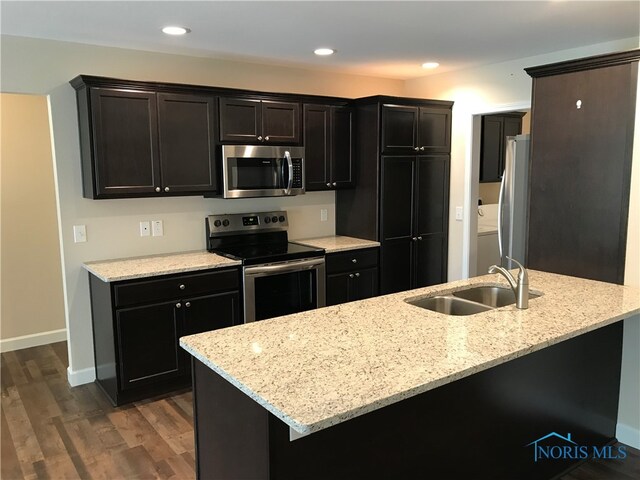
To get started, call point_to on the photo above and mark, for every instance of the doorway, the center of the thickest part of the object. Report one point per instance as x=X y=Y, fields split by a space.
x=481 y=231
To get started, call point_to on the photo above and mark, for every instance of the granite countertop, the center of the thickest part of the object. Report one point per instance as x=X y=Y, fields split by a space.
x=338 y=243
x=153 y=265
x=318 y=368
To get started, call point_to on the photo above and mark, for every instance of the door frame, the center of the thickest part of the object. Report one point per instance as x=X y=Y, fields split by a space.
x=471 y=183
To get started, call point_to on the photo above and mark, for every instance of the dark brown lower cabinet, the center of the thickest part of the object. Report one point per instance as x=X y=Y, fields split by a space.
x=352 y=276
x=137 y=325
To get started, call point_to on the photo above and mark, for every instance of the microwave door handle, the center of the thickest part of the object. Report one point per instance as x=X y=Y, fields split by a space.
x=287 y=155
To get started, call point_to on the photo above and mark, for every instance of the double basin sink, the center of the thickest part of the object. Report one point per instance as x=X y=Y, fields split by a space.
x=469 y=301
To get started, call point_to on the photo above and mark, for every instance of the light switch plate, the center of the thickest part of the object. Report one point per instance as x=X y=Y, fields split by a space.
x=156 y=228
x=323 y=214
x=145 y=229
x=79 y=233
x=459 y=213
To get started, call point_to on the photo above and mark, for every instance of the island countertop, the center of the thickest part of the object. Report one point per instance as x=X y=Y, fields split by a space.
x=153 y=265
x=319 y=368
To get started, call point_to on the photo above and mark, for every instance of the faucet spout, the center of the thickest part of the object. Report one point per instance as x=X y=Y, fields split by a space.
x=520 y=286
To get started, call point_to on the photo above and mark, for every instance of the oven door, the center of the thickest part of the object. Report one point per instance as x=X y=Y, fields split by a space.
x=260 y=171
x=277 y=289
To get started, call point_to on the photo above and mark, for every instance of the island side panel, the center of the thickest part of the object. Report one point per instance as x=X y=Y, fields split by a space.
x=231 y=432
x=477 y=427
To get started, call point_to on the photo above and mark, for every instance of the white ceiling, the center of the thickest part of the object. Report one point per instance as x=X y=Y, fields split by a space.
x=386 y=39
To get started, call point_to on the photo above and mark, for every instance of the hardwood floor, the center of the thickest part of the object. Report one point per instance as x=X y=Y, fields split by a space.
x=52 y=431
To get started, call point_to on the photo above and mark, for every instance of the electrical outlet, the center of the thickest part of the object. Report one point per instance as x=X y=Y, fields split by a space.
x=79 y=233
x=323 y=214
x=459 y=213
x=145 y=229
x=156 y=228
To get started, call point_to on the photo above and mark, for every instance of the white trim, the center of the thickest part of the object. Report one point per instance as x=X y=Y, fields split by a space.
x=80 y=377
x=33 y=340
x=628 y=435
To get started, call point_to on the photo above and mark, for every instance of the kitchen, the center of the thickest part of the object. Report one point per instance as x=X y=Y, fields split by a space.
x=112 y=225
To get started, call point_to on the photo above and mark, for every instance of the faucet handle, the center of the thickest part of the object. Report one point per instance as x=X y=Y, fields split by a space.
x=523 y=276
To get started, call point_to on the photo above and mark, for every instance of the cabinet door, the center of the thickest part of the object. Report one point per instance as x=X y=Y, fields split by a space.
x=210 y=312
x=186 y=126
x=317 y=146
x=125 y=150
x=431 y=221
x=342 y=147
x=147 y=344
x=396 y=223
x=281 y=123
x=364 y=285
x=399 y=129
x=338 y=289
x=491 y=149
x=240 y=120
x=434 y=130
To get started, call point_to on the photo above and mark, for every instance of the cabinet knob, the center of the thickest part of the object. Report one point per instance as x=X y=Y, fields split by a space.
x=329 y=185
x=157 y=189
x=182 y=287
x=187 y=304
x=357 y=274
x=178 y=305
x=166 y=189
x=334 y=184
x=351 y=275
x=416 y=149
x=414 y=239
x=260 y=137
x=422 y=149
x=266 y=139
x=419 y=238
x=354 y=260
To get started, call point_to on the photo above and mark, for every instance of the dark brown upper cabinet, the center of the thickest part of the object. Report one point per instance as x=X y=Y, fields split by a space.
x=495 y=130
x=414 y=129
x=253 y=121
x=329 y=147
x=137 y=143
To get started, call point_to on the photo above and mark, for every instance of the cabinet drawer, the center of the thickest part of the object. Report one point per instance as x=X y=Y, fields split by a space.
x=174 y=287
x=352 y=260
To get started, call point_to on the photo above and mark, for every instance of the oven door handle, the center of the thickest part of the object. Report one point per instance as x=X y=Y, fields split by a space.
x=287 y=156
x=284 y=268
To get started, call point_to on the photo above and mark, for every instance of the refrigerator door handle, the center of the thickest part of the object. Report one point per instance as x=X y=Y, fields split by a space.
x=500 y=206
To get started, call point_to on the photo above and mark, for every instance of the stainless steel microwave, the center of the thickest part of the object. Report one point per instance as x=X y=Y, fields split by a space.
x=262 y=171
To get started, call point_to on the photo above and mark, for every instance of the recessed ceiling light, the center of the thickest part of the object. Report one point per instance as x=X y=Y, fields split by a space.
x=324 y=51
x=172 y=30
x=430 y=65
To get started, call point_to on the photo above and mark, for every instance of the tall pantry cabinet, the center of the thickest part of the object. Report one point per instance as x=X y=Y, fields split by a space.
x=401 y=197
x=581 y=151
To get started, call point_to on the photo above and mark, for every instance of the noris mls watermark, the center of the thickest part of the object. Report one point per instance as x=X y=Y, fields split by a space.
x=554 y=446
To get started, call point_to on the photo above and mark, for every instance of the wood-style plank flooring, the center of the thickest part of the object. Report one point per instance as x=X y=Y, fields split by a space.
x=52 y=431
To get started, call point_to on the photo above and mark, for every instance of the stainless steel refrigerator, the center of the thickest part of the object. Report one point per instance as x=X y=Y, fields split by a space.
x=513 y=203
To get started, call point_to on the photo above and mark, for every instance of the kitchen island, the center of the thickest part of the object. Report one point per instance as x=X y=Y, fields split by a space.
x=383 y=389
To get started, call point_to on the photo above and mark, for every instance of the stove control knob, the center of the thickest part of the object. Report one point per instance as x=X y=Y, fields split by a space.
x=281 y=218
x=217 y=223
x=225 y=223
x=267 y=219
x=274 y=219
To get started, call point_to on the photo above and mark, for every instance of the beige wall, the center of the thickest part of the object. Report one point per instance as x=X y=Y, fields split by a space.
x=112 y=225
x=31 y=278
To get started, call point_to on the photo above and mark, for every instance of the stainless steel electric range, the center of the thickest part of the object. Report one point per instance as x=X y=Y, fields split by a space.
x=279 y=277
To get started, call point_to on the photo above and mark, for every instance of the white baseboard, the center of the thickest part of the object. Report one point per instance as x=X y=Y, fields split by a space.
x=80 y=377
x=34 y=340
x=628 y=435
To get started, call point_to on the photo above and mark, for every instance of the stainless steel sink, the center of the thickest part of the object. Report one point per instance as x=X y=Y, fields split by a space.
x=495 y=297
x=449 y=305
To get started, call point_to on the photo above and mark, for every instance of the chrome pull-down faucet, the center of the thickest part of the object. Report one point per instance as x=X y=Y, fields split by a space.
x=520 y=287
